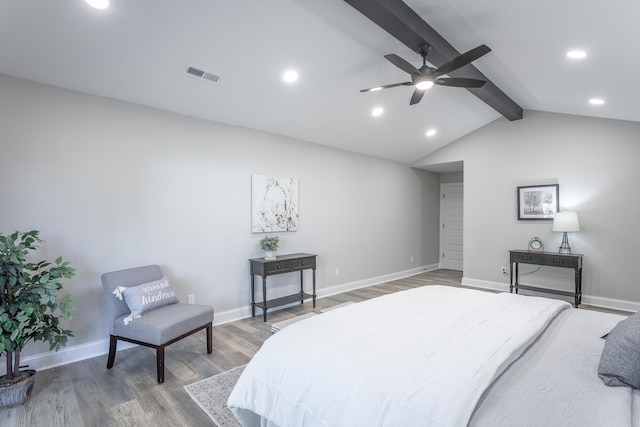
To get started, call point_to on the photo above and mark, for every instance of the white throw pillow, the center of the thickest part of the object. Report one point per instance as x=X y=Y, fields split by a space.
x=146 y=296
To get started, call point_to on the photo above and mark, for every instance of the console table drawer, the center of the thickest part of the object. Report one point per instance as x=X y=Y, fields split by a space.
x=303 y=263
x=531 y=258
x=559 y=261
x=279 y=267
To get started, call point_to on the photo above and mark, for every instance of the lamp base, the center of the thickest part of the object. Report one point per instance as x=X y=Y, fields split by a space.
x=565 y=248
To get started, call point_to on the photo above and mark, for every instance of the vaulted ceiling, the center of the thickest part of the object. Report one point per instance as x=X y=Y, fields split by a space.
x=138 y=51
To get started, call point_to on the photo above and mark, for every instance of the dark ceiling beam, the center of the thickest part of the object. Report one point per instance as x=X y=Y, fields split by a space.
x=408 y=27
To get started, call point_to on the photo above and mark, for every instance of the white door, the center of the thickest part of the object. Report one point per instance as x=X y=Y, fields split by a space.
x=451 y=226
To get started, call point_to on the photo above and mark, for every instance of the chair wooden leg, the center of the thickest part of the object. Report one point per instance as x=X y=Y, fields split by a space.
x=160 y=363
x=113 y=343
x=210 y=338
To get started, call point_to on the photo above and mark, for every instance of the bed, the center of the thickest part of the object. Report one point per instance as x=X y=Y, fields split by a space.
x=437 y=356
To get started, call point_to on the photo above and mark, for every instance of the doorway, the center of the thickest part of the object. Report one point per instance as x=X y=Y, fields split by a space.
x=451 y=226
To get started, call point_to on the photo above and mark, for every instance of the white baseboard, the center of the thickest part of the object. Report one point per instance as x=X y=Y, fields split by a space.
x=79 y=352
x=610 y=303
x=484 y=284
x=232 y=315
x=615 y=304
x=70 y=354
x=101 y=347
x=244 y=312
x=346 y=287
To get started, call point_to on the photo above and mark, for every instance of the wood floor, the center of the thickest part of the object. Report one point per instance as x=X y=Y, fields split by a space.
x=85 y=393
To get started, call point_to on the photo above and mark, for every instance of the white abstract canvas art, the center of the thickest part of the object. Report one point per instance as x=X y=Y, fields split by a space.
x=274 y=203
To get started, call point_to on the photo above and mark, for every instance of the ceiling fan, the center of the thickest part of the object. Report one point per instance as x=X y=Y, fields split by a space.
x=425 y=77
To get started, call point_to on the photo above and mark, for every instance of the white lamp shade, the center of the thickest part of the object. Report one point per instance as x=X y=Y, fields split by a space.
x=566 y=221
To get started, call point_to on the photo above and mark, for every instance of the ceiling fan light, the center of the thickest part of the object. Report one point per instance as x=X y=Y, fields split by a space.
x=424 y=84
x=98 y=4
x=376 y=112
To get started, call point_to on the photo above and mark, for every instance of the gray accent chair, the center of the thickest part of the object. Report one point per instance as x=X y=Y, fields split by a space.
x=156 y=328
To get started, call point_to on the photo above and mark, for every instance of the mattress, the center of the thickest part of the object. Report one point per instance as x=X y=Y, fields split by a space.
x=554 y=382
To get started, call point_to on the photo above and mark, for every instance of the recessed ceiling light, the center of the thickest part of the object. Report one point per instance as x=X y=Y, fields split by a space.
x=577 y=54
x=290 y=76
x=596 y=101
x=377 y=111
x=98 y=4
x=431 y=132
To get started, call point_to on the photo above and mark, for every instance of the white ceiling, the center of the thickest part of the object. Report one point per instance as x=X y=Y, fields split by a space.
x=137 y=51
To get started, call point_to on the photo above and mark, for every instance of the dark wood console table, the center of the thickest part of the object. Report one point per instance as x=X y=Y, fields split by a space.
x=282 y=264
x=552 y=259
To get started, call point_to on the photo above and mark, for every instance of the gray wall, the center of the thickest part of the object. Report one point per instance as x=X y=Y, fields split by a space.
x=451 y=177
x=595 y=162
x=112 y=185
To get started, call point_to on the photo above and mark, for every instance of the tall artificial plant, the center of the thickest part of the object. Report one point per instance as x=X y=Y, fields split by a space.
x=30 y=302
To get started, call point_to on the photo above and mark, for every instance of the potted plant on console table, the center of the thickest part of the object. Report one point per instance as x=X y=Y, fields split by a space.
x=269 y=245
x=30 y=309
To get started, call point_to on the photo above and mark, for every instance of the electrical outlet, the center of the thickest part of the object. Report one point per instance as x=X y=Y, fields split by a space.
x=503 y=270
x=411 y=258
x=192 y=299
x=337 y=271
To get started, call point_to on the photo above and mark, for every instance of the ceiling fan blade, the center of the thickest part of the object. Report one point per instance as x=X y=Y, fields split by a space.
x=416 y=97
x=460 y=82
x=401 y=63
x=375 y=88
x=462 y=60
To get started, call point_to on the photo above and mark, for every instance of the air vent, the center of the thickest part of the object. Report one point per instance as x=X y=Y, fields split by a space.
x=209 y=77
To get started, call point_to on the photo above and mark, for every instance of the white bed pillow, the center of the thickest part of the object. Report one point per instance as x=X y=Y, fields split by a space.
x=620 y=360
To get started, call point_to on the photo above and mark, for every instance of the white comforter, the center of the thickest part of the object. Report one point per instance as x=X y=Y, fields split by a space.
x=418 y=357
x=555 y=382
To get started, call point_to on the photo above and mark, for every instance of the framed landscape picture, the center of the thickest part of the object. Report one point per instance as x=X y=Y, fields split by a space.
x=538 y=201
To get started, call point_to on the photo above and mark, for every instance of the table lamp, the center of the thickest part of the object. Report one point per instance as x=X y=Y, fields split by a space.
x=565 y=222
